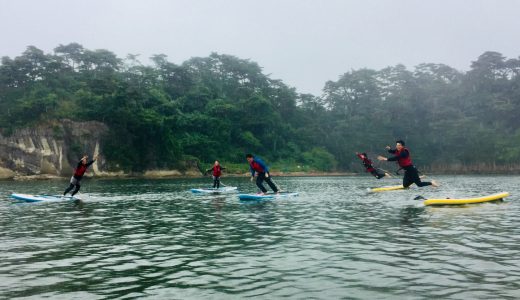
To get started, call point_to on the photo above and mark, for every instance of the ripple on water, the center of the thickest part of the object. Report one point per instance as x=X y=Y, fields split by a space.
x=153 y=239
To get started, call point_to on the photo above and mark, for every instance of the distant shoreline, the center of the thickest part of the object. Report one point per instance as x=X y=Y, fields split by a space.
x=276 y=174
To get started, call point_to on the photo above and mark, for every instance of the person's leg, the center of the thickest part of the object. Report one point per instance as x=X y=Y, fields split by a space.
x=71 y=186
x=271 y=184
x=259 y=180
x=214 y=181
x=217 y=181
x=416 y=179
x=76 y=190
x=378 y=173
x=73 y=182
x=407 y=179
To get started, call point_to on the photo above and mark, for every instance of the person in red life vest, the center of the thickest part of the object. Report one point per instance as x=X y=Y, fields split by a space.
x=216 y=172
x=403 y=158
x=378 y=173
x=258 y=167
x=80 y=170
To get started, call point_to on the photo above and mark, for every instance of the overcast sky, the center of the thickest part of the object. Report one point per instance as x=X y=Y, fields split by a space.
x=303 y=42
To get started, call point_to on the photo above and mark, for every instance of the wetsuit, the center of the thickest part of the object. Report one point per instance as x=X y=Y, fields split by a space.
x=259 y=166
x=411 y=175
x=217 y=171
x=78 y=174
x=378 y=173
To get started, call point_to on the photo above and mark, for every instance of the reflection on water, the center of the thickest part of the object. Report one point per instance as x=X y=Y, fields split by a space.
x=153 y=239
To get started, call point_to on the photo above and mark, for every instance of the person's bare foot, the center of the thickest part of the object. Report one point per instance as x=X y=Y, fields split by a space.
x=434 y=183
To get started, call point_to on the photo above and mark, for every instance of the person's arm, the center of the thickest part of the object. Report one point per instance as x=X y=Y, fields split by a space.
x=252 y=171
x=403 y=154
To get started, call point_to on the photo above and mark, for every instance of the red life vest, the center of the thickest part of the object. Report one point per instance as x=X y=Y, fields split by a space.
x=257 y=167
x=406 y=161
x=80 y=170
x=217 y=171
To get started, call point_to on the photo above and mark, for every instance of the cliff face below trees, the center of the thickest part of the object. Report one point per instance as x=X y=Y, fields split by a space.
x=53 y=150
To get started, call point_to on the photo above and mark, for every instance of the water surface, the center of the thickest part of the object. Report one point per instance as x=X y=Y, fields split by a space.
x=153 y=239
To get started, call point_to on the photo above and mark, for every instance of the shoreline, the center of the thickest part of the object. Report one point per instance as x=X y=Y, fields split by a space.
x=173 y=176
x=189 y=175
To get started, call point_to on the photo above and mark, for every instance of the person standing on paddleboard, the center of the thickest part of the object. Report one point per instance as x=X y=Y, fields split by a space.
x=80 y=170
x=378 y=173
x=258 y=166
x=403 y=158
x=217 y=171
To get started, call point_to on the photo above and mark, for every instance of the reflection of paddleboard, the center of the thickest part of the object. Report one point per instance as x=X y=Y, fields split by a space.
x=40 y=198
x=266 y=196
x=387 y=188
x=222 y=190
x=460 y=201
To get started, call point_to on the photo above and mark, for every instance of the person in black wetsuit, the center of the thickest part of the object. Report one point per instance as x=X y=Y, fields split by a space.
x=403 y=158
x=378 y=173
x=80 y=170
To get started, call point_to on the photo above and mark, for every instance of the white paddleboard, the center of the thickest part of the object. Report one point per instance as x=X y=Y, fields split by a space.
x=40 y=198
x=222 y=190
x=266 y=196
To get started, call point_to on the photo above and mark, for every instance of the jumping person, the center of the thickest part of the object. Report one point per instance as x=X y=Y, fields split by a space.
x=403 y=158
x=217 y=171
x=258 y=166
x=378 y=173
x=80 y=170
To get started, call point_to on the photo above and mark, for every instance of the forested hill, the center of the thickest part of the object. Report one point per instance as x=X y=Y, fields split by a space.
x=221 y=107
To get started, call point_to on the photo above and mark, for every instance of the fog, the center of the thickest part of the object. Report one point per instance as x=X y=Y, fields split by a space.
x=304 y=43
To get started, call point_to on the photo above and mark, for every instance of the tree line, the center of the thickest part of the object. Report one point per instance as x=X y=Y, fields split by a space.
x=222 y=107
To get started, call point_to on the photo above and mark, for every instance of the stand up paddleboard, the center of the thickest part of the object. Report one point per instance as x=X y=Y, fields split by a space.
x=461 y=201
x=222 y=190
x=387 y=188
x=266 y=196
x=40 y=198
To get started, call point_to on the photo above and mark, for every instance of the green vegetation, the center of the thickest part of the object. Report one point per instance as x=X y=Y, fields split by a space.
x=221 y=107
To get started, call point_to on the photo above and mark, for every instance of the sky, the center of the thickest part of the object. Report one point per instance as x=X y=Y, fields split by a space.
x=302 y=42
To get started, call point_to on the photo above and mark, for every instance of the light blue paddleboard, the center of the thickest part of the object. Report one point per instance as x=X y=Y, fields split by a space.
x=40 y=198
x=222 y=190
x=266 y=196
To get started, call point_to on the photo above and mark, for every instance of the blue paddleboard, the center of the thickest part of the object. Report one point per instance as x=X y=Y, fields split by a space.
x=222 y=190
x=266 y=196
x=40 y=198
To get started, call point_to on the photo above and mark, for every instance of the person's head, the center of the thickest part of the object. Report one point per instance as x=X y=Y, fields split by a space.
x=84 y=159
x=249 y=157
x=364 y=154
x=399 y=144
x=217 y=163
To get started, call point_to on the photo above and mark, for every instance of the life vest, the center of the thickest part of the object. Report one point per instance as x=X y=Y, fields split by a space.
x=217 y=171
x=80 y=170
x=257 y=167
x=406 y=161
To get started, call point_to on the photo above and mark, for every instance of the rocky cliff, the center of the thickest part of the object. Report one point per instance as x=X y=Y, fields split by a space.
x=50 y=150
x=53 y=150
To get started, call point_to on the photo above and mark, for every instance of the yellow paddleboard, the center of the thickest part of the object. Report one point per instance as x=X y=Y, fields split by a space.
x=461 y=201
x=387 y=188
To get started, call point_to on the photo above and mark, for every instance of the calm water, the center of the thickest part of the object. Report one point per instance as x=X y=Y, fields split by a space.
x=153 y=239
